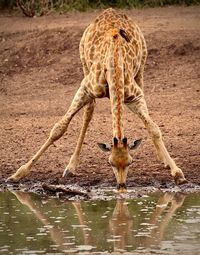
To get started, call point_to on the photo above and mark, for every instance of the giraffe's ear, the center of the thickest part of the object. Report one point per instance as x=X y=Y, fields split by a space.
x=104 y=146
x=135 y=144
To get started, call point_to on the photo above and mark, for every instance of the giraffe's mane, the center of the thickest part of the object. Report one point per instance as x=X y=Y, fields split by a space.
x=117 y=79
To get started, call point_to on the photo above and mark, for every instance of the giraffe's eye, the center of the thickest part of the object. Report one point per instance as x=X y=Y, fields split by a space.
x=131 y=161
x=111 y=163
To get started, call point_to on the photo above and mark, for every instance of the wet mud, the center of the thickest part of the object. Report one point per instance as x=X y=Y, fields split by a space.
x=76 y=192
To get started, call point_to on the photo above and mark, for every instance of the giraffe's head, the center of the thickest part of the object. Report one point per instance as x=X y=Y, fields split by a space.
x=120 y=159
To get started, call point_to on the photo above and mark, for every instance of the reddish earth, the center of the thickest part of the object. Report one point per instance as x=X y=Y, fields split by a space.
x=40 y=72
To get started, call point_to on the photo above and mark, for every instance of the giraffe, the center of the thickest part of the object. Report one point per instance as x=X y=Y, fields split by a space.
x=113 y=53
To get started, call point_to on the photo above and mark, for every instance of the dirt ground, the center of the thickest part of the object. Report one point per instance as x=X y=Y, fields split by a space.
x=40 y=72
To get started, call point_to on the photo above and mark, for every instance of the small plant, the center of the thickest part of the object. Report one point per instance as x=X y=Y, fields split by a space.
x=35 y=7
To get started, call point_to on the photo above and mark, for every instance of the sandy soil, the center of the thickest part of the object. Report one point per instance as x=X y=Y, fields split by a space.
x=40 y=72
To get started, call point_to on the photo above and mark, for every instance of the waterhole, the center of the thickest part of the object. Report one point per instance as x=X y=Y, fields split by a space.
x=160 y=223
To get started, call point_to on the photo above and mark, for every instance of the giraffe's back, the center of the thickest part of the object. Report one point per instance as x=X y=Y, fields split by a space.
x=97 y=38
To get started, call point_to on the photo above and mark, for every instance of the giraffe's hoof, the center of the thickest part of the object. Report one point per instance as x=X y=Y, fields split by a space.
x=68 y=173
x=21 y=173
x=12 y=178
x=180 y=179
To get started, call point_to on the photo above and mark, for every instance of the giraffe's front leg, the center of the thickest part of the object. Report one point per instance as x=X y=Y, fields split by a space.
x=81 y=98
x=140 y=108
x=74 y=160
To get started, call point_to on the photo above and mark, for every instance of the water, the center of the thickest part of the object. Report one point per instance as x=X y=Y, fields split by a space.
x=155 y=224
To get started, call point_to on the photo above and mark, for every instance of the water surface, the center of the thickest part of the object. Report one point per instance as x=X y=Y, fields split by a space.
x=161 y=223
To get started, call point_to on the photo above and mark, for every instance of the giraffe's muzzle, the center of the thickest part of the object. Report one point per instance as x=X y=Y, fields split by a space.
x=121 y=187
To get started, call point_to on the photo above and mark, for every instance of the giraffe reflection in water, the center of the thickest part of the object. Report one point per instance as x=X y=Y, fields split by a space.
x=58 y=236
x=120 y=224
x=151 y=233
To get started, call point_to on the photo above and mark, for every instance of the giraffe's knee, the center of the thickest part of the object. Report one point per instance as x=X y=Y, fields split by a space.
x=154 y=130
x=89 y=111
x=58 y=130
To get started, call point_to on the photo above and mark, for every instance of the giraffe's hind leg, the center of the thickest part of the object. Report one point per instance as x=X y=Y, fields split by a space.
x=74 y=160
x=81 y=98
x=140 y=108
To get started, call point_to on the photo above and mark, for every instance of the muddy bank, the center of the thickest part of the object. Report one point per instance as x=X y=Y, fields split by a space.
x=76 y=192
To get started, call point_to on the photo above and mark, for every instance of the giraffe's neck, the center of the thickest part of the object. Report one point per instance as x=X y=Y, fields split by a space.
x=116 y=90
x=117 y=116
